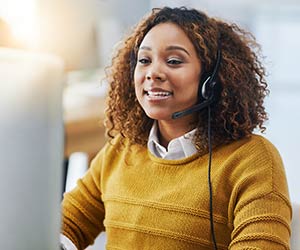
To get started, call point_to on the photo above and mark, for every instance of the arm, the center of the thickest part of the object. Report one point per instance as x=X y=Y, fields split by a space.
x=263 y=223
x=261 y=210
x=82 y=208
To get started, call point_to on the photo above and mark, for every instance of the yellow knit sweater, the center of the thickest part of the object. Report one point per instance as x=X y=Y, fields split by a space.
x=144 y=202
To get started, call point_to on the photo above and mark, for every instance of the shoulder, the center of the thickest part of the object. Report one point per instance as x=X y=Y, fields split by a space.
x=112 y=146
x=262 y=153
x=117 y=148
x=256 y=160
x=254 y=147
x=258 y=143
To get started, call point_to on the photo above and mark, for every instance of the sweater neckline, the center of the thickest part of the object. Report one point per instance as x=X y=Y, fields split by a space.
x=177 y=162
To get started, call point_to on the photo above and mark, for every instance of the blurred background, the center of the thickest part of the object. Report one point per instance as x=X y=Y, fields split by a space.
x=83 y=34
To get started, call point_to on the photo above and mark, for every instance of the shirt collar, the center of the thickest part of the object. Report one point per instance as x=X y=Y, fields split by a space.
x=178 y=148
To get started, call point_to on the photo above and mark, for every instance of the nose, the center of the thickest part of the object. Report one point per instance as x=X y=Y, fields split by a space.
x=155 y=73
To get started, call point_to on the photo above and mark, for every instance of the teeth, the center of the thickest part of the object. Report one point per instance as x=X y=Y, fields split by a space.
x=152 y=93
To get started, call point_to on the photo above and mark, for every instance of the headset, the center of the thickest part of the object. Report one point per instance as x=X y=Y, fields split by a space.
x=208 y=94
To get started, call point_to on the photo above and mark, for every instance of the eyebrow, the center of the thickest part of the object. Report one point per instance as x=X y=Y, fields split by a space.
x=171 y=47
x=174 y=47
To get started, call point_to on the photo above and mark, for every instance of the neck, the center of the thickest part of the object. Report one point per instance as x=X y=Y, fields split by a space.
x=169 y=130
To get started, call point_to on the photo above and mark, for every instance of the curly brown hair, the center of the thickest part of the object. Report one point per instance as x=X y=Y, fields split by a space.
x=240 y=107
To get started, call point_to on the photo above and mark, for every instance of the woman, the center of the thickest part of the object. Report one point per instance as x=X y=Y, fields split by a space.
x=183 y=169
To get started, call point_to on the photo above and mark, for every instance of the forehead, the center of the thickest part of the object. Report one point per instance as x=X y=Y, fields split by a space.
x=165 y=34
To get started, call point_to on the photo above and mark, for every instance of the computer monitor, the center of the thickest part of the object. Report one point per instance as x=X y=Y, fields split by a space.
x=31 y=150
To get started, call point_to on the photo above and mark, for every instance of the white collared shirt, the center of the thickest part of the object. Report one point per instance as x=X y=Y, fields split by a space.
x=178 y=148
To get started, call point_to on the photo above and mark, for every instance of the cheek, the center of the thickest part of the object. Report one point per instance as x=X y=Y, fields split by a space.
x=194 y=81
x=187 y=83
x=138 y=86
x=189 y=86
x=135 y=74
x=137 y=78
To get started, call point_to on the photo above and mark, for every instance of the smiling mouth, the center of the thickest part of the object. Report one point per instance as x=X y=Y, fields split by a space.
x=158 y=95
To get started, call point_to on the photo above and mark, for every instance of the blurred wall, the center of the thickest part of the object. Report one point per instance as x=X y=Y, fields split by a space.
x=68 y=28
x=84 y=32
x=5 y=34
x=115 y=18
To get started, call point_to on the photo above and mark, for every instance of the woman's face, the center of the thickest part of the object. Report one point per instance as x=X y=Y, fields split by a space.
x=167 y=73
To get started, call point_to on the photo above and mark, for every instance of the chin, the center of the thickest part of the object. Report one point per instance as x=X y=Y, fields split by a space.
x=159 y=116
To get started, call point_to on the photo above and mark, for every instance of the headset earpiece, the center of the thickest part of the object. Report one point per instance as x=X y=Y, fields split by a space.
x=209 y=89
x=204 y=89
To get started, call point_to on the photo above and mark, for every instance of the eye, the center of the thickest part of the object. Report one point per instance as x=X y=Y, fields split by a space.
x=174 y=61
x=144 y=61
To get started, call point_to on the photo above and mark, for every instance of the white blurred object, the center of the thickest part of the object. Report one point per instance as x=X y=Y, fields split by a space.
x=295 y=239
x=31 y=149
x=78 y=165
